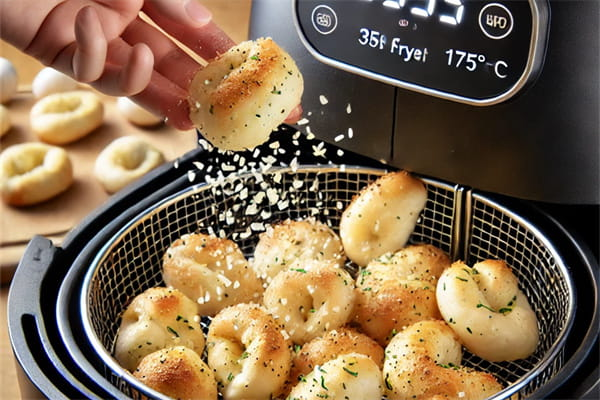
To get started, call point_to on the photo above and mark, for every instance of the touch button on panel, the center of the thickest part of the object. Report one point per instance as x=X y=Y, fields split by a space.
x=496 y=21
x=324 y=19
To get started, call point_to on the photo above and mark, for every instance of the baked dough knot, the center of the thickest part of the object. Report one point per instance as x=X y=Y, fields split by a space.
x=424 y=362
x=310 y=298
x=178 y=372
x=156 y=319
x=487 y=310
x=398 y=289
x=249 y=353
x=291 y=241
x=382 y=216
x=212 y=271
x=241 y=96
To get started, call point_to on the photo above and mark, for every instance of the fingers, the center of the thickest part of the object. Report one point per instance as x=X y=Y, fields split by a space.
x=189 y=22
x=137 y=71
x=163 y=97
x=294 y=115
x=90 y=53
x=170 y=61
x=126 y=71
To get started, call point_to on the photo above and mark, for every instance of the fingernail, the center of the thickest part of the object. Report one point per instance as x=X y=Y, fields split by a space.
x=198 y=12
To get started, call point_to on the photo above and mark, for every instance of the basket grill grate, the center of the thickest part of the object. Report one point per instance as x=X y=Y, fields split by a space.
x=240 y=207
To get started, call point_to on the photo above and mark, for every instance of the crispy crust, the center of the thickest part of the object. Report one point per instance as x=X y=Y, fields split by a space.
x=178 y=372
x=295 y=240
x=344 y=340
x=398 y=289
x=423 y=362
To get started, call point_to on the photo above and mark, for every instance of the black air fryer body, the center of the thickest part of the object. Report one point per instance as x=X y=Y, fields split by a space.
x=535 y=153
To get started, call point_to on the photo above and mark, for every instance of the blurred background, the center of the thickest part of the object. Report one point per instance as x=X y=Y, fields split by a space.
x=54 y=219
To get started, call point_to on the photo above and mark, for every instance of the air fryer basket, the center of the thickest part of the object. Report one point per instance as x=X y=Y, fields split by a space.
x=466 y=225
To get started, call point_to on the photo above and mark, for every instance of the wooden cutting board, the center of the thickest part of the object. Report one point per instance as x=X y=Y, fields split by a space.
x=57 y=216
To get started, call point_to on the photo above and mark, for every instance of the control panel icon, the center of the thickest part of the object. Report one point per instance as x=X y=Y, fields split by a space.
x=324 y=19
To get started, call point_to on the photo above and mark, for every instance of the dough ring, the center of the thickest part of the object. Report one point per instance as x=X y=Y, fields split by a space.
x=212 y=271
x=488 y=311
x=34 y=172
x=65 y=117
x=398 y=289
x=310 y=298
x=248 y=352
x=156 y=319
x=178 y=372
x=382 y=216
x=423 y=362
x=125 y=160
x=240 y=97
x=286 y=242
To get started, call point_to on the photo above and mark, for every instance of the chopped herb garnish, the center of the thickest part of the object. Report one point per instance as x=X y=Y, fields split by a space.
x=469 y=330
x=323 y=383
x=350 y=372
x=480 y=305
x=462 y=279
x=505 y=310
x=230 y=377
x=173 y=331
x=388 y=385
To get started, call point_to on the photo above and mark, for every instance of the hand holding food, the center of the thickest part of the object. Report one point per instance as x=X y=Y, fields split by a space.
x=110 y=46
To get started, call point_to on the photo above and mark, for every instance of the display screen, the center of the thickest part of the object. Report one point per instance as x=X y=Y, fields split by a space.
x=467 y=50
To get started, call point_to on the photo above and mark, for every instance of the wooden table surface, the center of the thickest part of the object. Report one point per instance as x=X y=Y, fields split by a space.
x=233 y=17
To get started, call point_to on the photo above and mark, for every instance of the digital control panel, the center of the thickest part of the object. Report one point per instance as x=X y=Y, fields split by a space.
x=480 y=52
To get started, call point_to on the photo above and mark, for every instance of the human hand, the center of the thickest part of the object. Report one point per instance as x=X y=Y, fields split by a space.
x=112 y=46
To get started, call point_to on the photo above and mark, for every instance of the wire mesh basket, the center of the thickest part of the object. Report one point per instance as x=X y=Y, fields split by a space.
x=239 y=207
